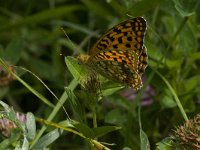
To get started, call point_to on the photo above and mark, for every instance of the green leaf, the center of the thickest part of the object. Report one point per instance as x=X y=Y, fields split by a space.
x=68 y=123
x=83 y=128
x=5 y=106
x=75 y=105
x=17 y=132
x=25 y=145
x=122 y=102
x=42 y=68
x=119 y=7
x=116 y=116
x=186 y=7
x=77 y=70
x=170 y=26
x=3 y=91
x=97 y=7
x=165 y=144
x=192 y=83
x=188 y=43
x=13 y=51
x=10 y=114
x=172 y=91
x=94 y=132
x=110 y=87
x=143 y=6
x=167 y=100
x=195 y=56
x=30 y=126
x=100 y=131
x=174 y=63
x=41 y=16
x=15 y=136
x=144 y=142
x=154 y=53
x=1 y=52
x=47 y=139
x=126 y=148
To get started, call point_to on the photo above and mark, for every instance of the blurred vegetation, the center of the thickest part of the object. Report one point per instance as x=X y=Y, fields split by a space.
x=31 y=44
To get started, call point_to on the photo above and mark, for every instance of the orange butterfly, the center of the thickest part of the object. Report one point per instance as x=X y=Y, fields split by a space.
x=120 y=54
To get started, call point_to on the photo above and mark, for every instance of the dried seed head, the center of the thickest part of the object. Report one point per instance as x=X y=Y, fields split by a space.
x=187 y=136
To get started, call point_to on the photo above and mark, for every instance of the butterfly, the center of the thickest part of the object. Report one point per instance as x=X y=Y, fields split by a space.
x=120 y=54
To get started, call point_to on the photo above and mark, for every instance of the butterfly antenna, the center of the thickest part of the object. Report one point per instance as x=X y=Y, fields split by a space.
x=129 y=15
x=68 y=37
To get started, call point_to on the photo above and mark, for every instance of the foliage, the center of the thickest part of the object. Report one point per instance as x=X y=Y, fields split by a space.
x=45 y=86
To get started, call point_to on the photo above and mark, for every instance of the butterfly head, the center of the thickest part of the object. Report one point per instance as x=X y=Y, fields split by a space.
x=83 y=58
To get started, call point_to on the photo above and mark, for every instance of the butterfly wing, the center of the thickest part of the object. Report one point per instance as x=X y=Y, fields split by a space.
x=118 y=65
x=128 y=34
x=120 y=53
x=143 y=61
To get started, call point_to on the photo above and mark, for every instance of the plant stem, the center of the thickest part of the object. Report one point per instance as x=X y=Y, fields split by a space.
x=94 y=117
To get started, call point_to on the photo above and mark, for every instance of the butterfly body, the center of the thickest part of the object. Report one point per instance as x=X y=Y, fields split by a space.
x=120 y=54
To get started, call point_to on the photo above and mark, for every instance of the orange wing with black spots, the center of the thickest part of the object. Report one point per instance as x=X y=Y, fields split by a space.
x=128 y=34
x=118 y=65
x=120 y=53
